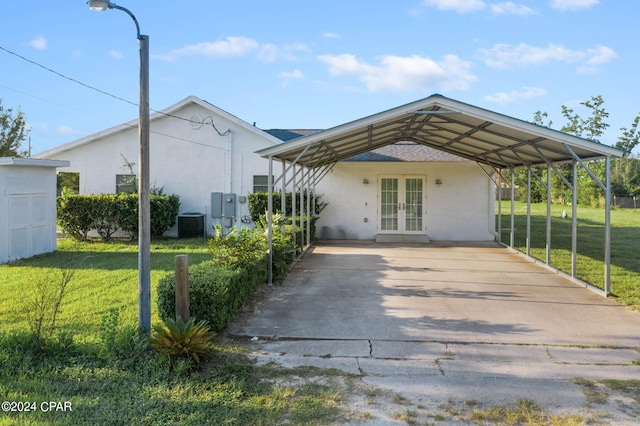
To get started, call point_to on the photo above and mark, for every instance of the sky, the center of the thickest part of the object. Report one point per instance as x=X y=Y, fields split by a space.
x=316 y=64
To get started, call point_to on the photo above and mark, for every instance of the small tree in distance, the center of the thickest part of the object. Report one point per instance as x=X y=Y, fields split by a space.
x=12 y=132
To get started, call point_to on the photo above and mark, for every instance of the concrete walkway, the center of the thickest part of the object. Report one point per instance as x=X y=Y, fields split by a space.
x=446 y=321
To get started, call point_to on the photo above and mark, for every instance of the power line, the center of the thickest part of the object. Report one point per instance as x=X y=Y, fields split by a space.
x=66 y=77
x=88 y=86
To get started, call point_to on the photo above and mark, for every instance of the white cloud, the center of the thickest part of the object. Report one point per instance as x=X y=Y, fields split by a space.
x=331 y=35
x=231 y=46
x=460 y=6
x=66 y=130
x=115 y=54
x=268 y=53
x=39 y=43
x=510 y=8
x=295 y=74
x=572 y=4
x=506 y=56
x=505 y=98
x=291 y=75
x=404 y=73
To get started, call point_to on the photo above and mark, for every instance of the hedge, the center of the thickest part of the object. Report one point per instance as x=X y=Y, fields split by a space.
x=258 y=202
x=215 y=293
x=108 y=213
x=219 y=287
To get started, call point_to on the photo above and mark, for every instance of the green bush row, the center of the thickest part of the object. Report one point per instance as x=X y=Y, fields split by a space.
x=258 y=202
x=219 y=287
x=108 y=213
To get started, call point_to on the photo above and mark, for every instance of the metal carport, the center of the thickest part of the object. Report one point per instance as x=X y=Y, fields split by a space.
x=488 y=138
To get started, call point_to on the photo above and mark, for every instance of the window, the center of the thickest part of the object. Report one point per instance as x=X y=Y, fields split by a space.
x=126 y=184
x=68 y=181
x=260 y=183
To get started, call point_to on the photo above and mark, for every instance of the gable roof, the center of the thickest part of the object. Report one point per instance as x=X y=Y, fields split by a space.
x=406 y=151
x=167 y=112
x=290 y=134
x=447 y=125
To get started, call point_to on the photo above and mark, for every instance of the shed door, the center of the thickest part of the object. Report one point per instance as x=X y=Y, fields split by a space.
x=401 y=204
x=29 y=225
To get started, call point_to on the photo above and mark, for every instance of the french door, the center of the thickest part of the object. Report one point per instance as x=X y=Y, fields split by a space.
x=401 y=204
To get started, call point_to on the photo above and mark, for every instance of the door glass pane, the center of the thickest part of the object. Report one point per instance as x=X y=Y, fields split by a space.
x=413 y=204
x=389 y=204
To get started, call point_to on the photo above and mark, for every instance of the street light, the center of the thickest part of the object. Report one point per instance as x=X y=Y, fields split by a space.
x=144 y=215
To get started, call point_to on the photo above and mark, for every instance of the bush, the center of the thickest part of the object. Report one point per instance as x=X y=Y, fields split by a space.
x=108 y=213
x=258 y=202
x=74 y=215
x=215 y=293
x=180 y=339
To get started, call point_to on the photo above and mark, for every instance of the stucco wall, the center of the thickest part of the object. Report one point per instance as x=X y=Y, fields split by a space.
x=461 y=208
x=27 y=211
x=186 y=159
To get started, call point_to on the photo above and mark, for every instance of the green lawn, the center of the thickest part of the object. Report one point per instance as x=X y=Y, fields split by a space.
x=106 y=277
x=128 y=384
x=625 y=244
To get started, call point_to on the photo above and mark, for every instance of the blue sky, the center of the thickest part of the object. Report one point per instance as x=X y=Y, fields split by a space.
x=317 y=64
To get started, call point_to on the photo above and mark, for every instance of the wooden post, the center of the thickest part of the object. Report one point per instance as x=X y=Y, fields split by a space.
x=181 y=263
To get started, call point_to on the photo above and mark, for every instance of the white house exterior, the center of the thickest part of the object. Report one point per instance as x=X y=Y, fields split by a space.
x=211 y=159
x=197 y=151
x=27 y=207
x=407 y=192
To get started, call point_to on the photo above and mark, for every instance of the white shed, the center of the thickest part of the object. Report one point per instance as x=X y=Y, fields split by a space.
x=27 y=207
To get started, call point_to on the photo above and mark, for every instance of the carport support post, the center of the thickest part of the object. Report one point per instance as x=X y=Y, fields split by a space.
x=270 y=221
x=293 y=210
x=548 y=244
x=301 y=208
x=607 y=227
x=512 y=234
x=574 y=221
x=528 y=244
x=283 y=196
x=500 y=206
x=309 y=209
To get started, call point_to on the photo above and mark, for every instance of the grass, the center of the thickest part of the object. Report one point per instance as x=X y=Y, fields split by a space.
x=106 y=277
x=625 y=249
x=138 y=386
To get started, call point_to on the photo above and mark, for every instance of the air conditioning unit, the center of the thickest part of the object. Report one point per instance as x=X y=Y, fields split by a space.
x=191 y=225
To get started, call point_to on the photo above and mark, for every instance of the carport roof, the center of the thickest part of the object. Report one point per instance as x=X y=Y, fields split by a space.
x=447 y=125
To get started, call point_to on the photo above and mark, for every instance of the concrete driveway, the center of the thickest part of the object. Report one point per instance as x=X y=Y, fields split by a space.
x=446 y=320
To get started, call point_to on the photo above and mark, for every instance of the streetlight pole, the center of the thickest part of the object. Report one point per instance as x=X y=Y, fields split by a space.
x=144 y=209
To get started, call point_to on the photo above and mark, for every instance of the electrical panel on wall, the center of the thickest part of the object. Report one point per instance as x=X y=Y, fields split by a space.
x=216 y=204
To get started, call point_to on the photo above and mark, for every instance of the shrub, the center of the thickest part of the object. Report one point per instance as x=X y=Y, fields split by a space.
x=215 y=292
x=74 y=215
x=258 y=202
x=180 y=339
x=107 y=213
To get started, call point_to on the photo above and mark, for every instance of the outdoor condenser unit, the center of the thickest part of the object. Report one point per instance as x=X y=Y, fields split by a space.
x=191 y=225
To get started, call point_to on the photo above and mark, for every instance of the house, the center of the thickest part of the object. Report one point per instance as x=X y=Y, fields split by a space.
x=27 y=207
x=197 y=151
x=407 y=192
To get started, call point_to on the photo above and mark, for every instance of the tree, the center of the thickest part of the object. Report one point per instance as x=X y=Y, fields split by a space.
x=12 y=132
x=625 y=178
